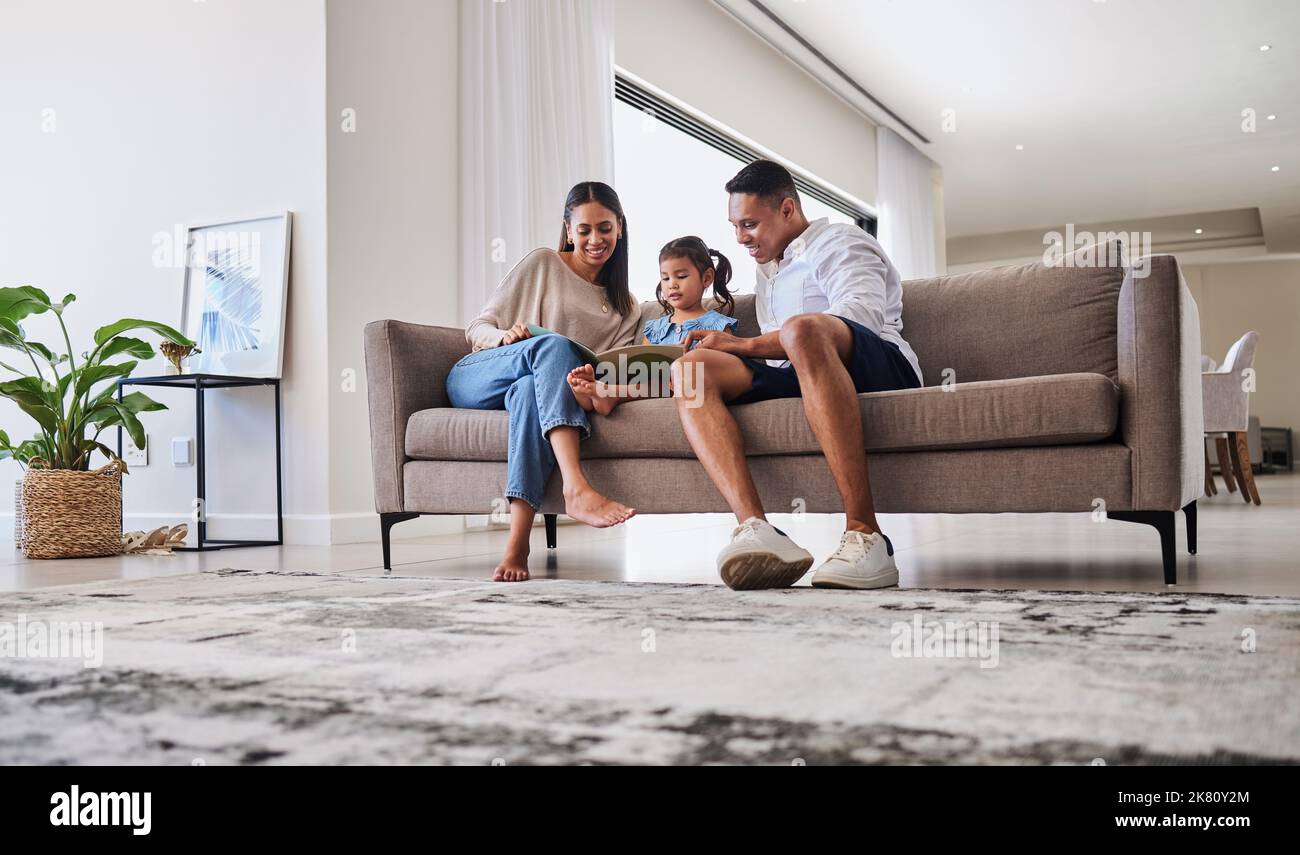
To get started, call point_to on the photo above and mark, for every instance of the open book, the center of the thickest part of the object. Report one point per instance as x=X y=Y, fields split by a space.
x=650 y=355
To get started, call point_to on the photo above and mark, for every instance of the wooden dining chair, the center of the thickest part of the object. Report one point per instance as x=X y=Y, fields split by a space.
x=1227 y=416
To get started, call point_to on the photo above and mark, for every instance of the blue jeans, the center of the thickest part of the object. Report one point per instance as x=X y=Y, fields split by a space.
x=527 y=379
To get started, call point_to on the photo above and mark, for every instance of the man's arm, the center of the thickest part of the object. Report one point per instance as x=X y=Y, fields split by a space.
x=766 y=346
x=853 y=275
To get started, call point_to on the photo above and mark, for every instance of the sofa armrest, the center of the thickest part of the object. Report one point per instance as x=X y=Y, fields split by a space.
x=406 y=370
x=1161 y=417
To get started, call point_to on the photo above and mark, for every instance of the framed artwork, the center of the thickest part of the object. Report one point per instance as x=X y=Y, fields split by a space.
x=236 y=288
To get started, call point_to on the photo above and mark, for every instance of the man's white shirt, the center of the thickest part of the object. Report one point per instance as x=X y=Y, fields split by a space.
x=837 y=270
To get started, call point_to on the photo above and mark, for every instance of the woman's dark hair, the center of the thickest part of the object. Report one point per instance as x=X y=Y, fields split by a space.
x=613 y=275
x=697 y=252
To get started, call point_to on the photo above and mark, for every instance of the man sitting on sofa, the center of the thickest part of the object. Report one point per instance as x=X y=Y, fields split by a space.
x=829 y=304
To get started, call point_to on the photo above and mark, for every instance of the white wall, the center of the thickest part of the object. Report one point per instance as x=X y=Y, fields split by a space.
x=394 y=213
x=702 y=56
x=171 y=113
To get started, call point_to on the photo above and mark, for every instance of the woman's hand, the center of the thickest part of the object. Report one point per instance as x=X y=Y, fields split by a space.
x=518 y=332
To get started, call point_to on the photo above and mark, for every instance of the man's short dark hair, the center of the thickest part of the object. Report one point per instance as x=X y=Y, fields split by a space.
x=769 y=181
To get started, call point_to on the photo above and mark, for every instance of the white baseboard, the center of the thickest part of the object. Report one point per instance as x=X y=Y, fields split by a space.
x=299 y=529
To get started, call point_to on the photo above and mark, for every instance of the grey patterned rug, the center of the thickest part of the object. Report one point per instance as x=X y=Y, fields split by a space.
x=255 y=667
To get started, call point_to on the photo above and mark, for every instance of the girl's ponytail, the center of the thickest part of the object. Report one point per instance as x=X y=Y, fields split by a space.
x=721 y=276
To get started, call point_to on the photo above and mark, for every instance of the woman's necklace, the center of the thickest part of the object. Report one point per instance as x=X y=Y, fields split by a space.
x=604 y=295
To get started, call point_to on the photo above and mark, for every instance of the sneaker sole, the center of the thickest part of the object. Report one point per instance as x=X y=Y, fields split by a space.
x=888 y=579
x=756 y=570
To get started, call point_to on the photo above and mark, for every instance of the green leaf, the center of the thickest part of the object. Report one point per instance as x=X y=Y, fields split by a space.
x=46 y=354
x=29 y=449
x=63 y=385
x=12 y=335
x=86 y=446
x=4 y=439
x=31 y=389
x=129 y=421
x=18 y=303
x=34 y=397
x=10 y=329
x=139 y=402
x=41 y=413
x=88 y=377
x=103 y=334
x=103 y=416
x=136 y=347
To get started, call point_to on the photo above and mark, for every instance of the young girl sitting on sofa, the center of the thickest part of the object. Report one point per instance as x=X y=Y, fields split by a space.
x=687 y=268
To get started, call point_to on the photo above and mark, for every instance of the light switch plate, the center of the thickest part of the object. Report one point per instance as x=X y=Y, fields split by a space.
x=181 y=451
x=136 y=456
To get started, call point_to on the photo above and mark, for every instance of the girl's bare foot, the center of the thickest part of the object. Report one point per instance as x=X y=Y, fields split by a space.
x=592 y=395
x=582 y=380
x=513 y=568
x=587 y=505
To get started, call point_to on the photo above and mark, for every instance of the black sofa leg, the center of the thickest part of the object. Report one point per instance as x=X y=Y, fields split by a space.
x=1190 y=511
x=1163 y=521
x=550 y=530
x=386 y=522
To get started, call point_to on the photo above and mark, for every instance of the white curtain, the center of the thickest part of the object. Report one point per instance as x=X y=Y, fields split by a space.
x=905 y=199
x=536 y=115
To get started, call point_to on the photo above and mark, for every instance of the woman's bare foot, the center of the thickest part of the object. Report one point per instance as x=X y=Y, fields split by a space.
x=513 y=568
x=586 y=505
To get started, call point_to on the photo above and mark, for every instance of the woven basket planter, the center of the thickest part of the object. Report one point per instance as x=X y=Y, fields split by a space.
x=69 y=514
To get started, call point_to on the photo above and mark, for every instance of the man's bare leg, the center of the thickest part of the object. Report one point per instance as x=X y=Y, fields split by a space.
x=581 y=500
x=819 y=347
x=703 y=381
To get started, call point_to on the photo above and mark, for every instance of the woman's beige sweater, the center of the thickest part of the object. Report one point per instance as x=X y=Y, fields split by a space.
x=542 y=290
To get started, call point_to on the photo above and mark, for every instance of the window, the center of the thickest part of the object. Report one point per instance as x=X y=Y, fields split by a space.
x=670 y=169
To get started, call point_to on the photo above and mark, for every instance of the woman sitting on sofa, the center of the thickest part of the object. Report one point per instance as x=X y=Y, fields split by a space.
x=580 y=291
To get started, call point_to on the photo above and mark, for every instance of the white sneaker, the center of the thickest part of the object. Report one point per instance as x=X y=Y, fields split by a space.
x=862 y=561
x=761 y=556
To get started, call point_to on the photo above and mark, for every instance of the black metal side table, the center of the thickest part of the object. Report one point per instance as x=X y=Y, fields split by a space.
x=200 y=383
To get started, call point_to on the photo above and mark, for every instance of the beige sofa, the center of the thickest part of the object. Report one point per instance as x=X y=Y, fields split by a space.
x=1047 y=389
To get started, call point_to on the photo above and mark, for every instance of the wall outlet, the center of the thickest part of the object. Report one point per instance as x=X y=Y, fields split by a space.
x=136 y=456
x=181 y=451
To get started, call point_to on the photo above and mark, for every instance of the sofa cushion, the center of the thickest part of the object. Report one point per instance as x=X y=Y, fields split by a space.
x=1021 y=321
x=1060 y=409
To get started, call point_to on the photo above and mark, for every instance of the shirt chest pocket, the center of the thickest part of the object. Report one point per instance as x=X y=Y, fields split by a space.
x=788 y=291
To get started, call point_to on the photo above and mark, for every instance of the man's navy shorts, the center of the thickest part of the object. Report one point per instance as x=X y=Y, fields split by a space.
x=875 y=366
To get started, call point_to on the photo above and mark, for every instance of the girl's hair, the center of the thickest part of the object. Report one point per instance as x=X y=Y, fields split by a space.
x=613 y=275
x=698 y=253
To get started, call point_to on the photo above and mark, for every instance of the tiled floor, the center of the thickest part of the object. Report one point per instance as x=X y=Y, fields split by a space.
x=1242 y=549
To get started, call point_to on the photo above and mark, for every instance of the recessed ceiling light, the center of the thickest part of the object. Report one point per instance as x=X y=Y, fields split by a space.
x=1270 y=117
x=1276 y=169
x=1265 y=47
x=1200 y=231
x=1019 y=147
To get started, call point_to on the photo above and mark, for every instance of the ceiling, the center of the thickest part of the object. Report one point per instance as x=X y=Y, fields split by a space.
x=1125 y=109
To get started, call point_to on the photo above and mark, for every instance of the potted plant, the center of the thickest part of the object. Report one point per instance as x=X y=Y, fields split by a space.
x=69 y=510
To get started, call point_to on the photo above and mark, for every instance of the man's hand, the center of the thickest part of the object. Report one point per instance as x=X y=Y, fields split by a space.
x=716 y=340
x=518 y=332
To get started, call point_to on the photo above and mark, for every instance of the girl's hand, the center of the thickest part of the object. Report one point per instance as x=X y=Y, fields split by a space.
x=518 y=332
